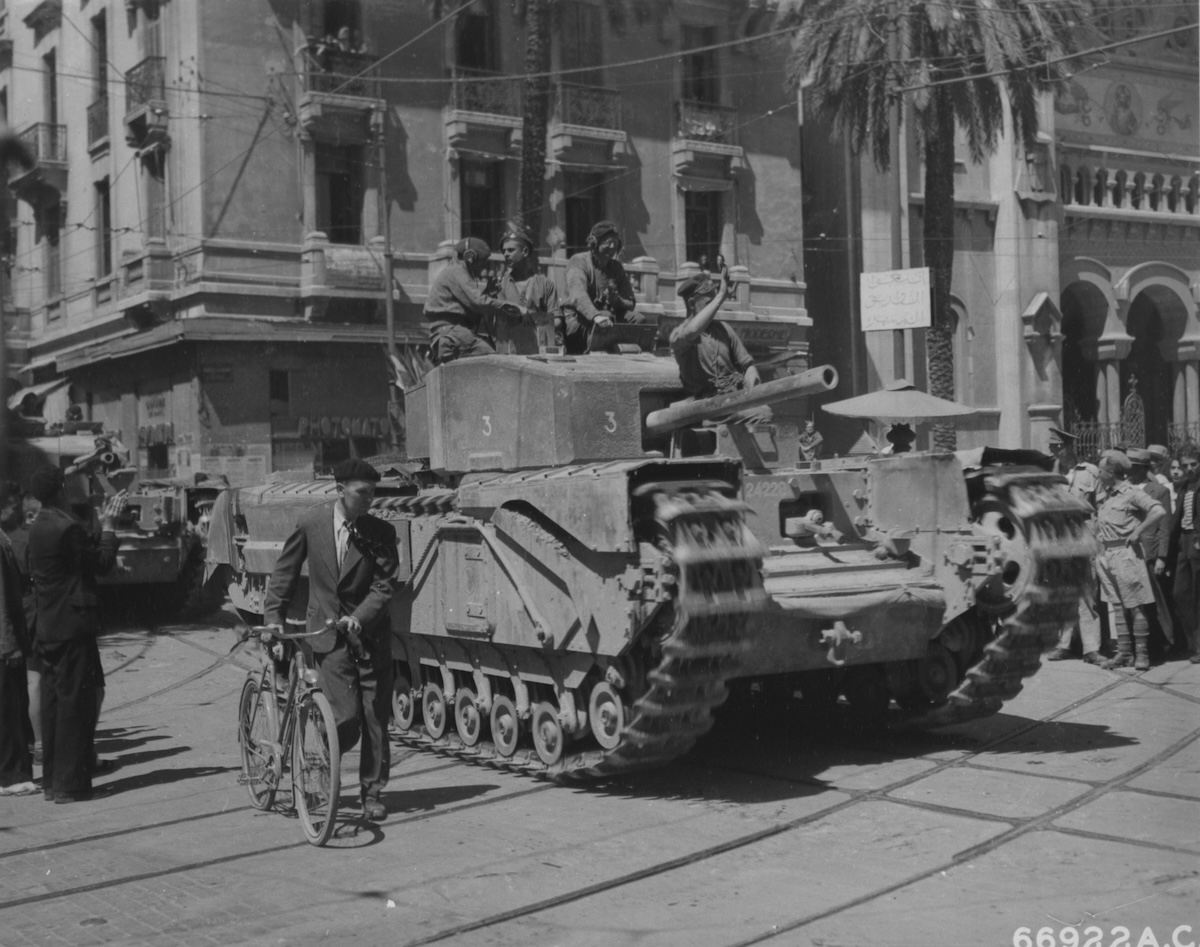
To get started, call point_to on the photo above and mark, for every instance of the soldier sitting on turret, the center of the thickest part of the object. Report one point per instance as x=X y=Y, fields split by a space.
x=598 y=289
x=712 y=358
x=521 y=283
x=457 y=305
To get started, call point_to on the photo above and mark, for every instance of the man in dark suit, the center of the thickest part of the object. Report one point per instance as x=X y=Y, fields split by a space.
x=352 y=564
x=1185 y=548
x=64 y=561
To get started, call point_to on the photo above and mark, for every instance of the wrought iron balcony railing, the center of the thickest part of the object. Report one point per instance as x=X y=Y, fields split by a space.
x=476 y=90
x=335 y=72
x=589 y=106
x=146 y=83
x=47 y=143
x=97 y=120
x=702 y=121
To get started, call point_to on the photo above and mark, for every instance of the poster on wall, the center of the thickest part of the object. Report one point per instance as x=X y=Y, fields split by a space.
x=239 y=471
x=895 y=299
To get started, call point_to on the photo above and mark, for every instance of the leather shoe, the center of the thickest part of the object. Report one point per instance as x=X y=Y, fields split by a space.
x=64 y=798
x=1195 y=659
x=1058 y=654
x=374 y=810
x=1095 y=657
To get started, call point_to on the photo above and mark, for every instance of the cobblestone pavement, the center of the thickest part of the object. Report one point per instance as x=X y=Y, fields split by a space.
x=1077 y=810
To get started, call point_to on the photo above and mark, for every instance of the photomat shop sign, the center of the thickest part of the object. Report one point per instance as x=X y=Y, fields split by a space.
x=895 y=299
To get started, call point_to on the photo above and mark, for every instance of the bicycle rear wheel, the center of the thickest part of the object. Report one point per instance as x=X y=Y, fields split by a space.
x=316 y=767
x=254 y=728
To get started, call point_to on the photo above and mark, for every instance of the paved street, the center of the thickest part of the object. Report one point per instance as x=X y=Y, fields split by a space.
x=1079 y=805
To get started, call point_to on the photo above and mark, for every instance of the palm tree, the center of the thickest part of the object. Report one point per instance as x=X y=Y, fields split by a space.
x=958 y=60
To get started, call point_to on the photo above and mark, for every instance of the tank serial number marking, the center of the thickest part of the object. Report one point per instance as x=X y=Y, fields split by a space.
x=611 y=424
x=487 y=425
x=768 y=488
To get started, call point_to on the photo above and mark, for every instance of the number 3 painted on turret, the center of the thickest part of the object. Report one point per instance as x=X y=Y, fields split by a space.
x=487 y=425
x=611 y=426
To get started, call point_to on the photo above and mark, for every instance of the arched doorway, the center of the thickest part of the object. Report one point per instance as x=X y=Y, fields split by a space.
x=1147 y=369
x=1078 y=372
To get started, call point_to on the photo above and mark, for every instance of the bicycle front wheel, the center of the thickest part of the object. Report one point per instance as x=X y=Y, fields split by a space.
x=254 y=736
x=316 y=767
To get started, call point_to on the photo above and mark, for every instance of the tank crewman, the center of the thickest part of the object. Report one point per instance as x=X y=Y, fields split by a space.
x=598 y=289
x=712 y=358
x=1185 y=547
x=521 y=283
x=352 y=562
x=457 y=306
x=1124 y=517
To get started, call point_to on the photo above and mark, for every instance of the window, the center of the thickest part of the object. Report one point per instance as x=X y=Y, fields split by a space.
x=50 y=87
x=280 y=395
x=702 y=226
x=100 y=55
x=474 y=45
x=482 y=185
x=580 y=33
x=340 y=191
x=700 y=71
x=583 y=203
x=104 y=234
x=53 y=251
x=341 y=14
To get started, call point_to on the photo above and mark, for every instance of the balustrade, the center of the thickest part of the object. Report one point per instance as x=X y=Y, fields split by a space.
x=338 y=72
x=145 y=83
x=703 y=121
x=1127 y=188
x=477 y=90
x=47 y=143
x=589 y=106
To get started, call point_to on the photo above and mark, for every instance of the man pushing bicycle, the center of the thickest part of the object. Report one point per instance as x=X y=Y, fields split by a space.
x=352 y=565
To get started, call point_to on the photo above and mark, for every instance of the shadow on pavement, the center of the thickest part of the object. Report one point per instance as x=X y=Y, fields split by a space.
x=427 y=800
x=160 y=777
x=125 y=738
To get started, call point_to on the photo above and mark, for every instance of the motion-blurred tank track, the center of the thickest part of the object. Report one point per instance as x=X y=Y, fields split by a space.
x=582 y=575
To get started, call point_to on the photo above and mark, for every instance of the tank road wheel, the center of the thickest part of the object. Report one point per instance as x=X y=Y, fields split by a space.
x=606 y=715
x=404 y=708
x=937 y=673
x=466 y=716
x=547 y=733
x=506 y=727
x=433 y=711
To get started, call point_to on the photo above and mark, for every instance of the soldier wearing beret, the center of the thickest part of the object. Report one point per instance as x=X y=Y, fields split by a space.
x=1125 y=516
x=598 y=289
x=458 y=306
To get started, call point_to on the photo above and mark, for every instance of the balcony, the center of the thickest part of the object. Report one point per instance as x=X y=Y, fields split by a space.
x=97 y=123
x=146 y=103
x=586 y=127
x=484 y=111
x=339 y=93
x=705 y=142
x=43 y=183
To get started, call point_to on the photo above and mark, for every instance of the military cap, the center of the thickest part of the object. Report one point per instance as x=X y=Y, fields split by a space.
x=355 y=469
x=1062 y=436
x=1158 y=452
x=603 y=229
x=700 y=285
x=473 y=245
x=519 y=234
x=1142 y=458
x=1116 y=461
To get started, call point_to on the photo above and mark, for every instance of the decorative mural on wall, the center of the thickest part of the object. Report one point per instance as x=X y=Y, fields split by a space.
x=1138 y=100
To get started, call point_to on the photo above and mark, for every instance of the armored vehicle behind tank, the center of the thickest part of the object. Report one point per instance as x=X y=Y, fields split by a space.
x=581 y=579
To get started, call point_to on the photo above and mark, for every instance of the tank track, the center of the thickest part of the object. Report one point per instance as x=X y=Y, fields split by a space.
x=1061 y=548
x=697 y=639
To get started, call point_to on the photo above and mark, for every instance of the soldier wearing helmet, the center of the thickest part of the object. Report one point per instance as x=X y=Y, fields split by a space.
x=598 y=289
x=457 y=306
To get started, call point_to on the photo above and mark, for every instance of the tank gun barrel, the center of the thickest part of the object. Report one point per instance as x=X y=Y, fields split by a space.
x=812 y=381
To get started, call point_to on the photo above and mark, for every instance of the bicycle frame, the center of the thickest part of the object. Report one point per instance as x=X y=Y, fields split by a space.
x=282 y=721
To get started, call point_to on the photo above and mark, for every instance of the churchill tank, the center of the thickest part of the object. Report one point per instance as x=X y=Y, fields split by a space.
x=590 y=560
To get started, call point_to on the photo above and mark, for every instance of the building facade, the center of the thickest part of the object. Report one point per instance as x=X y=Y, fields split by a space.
x=1077 y=265
x=199 y=252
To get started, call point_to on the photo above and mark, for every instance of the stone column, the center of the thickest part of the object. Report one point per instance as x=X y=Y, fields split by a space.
x=1191 y=372
x=1112 y=376
x=1179 y=392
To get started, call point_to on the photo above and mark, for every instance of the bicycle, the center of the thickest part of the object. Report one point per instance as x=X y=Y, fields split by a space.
x=296 y=721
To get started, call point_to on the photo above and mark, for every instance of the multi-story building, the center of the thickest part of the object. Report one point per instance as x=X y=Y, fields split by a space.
x=1077 y=265
x=199 y=252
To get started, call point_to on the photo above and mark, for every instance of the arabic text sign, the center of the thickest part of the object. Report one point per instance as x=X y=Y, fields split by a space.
x=895 y=299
